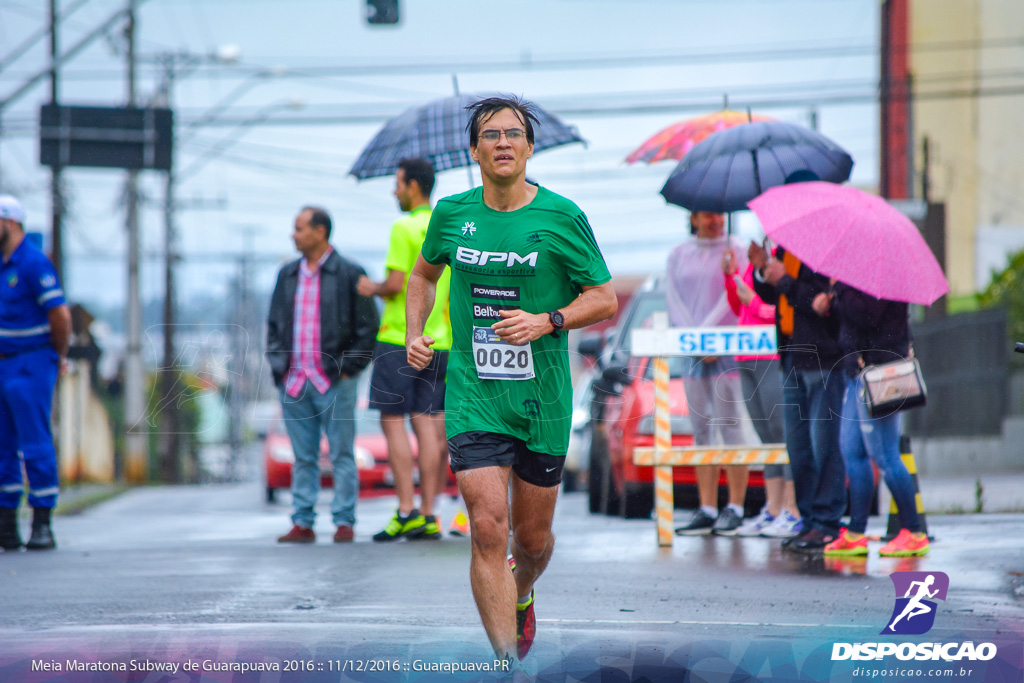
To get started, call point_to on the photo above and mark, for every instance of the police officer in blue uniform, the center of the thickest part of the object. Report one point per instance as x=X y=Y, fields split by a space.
x=35 y=330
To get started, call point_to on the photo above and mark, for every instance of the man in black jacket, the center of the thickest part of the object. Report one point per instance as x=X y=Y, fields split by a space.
x=812 y=390
x=320 y=336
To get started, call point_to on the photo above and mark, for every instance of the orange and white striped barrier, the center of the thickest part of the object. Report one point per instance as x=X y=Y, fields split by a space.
x=664 y=459
x=762 y=454
x=663 y=502
x=660 y=342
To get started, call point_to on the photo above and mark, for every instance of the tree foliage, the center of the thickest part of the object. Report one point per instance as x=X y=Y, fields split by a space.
x=1006 y=290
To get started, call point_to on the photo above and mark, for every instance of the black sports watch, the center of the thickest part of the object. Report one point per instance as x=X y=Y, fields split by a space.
x=557 y=321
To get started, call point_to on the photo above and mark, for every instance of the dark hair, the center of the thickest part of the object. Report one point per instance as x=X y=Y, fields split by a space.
x=485 y=109
x=319 y=218
x=420 y=170
x=801 y=176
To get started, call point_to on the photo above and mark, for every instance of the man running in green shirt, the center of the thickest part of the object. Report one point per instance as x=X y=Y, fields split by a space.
x=396 y=389
x=525 y=268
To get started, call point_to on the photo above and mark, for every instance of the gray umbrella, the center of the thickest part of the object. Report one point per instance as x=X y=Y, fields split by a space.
x=437 y=131
x=729 y=168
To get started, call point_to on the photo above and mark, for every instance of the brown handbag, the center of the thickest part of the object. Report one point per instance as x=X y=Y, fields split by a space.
x=891 y=387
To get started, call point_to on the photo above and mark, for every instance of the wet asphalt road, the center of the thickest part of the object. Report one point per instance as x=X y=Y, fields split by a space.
x=172 y=573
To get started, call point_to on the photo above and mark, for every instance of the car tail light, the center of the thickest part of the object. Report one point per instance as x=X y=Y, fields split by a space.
x=282 y=453
x=679 y=424
x=364 y=458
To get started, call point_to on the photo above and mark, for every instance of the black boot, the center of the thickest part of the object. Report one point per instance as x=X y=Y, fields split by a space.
x=42 y=536
x=10 y=539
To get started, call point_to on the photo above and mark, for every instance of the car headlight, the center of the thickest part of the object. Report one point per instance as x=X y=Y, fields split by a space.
x=364 y=458
x=679 y=424
x=282 y=453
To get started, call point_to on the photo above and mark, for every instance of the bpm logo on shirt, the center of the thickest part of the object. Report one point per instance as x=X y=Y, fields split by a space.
x=914 y=611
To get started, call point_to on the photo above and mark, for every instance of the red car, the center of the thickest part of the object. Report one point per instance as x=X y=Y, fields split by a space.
x=623 y=418
x=371 y=453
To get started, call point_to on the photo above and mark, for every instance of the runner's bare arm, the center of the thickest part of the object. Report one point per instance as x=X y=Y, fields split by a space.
x=419 y=301
x=594 y=305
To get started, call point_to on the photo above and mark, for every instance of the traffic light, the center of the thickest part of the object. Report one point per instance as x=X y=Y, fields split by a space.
x=382 y=11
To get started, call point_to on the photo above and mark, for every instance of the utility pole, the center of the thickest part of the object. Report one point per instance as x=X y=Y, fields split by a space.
x=136 y=439
x=170 y=465
x=56 y=197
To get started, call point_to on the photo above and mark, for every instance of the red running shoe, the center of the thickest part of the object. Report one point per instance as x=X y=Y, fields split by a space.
x=526 y=627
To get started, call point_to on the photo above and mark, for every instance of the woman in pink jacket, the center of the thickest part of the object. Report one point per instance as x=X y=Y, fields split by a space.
x=761 y=381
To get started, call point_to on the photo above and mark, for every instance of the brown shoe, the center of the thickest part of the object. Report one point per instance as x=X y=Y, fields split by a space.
x=344 y=534
x=298 y=534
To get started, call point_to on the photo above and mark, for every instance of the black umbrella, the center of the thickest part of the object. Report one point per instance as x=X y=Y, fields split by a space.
x=729 y=168
x=437 y=131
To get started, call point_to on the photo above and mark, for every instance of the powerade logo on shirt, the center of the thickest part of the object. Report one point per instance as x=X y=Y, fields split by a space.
x=496 y=293
x=515 y=264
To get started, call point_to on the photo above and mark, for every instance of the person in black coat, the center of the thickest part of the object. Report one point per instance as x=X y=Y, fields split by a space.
x=871 y=332
x=812 y=392
x=320 y=335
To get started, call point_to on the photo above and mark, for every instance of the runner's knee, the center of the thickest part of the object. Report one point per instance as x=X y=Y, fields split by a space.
x=490 y=533
x=534 y=543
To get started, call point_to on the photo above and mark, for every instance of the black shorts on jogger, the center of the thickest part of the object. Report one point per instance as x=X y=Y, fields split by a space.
x=471 y=450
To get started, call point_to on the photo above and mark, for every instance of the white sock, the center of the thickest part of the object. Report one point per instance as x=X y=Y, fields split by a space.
x=711 y=512
x=738 y=509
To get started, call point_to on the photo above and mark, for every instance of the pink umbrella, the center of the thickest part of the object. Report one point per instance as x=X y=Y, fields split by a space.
x=854 y=237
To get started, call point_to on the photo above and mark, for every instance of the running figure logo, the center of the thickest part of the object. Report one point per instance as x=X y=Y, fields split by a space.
x=914 y=613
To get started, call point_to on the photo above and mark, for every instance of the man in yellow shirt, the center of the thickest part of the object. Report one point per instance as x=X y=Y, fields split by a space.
x=396 y=388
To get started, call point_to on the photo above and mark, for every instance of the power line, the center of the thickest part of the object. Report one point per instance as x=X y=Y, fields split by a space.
x=604 y=61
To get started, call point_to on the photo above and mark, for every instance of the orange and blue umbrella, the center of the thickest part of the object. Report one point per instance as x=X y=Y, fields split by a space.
x=676 y=140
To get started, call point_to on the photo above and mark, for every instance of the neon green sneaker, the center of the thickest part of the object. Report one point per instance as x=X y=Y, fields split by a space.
x=431 y=530
x=409 y=526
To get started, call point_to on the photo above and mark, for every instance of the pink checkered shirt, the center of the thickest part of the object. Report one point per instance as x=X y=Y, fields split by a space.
x=306 y=332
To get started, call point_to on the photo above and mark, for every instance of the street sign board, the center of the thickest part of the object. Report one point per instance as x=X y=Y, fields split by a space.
x=106 y=137
x=747 y=340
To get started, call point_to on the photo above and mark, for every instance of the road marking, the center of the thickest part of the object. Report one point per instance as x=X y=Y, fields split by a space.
x=698 y=623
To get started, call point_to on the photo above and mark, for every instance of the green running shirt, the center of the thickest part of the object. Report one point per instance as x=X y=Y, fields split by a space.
x=536 y=258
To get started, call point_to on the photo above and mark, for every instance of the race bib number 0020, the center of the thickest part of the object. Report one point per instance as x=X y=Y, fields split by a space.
x=497 y=360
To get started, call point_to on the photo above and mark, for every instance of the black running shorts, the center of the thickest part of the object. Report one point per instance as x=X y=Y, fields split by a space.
x=397 y=388
x=471 y=450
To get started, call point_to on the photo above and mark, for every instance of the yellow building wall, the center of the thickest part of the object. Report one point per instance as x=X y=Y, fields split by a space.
x=950 y=124
x=977 y=142
x=1001 y=134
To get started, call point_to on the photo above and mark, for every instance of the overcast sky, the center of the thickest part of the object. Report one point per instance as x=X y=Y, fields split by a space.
x=618 y=70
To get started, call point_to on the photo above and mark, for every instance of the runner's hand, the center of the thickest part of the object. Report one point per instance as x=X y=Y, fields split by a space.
x=519 y=328
x=419 y=353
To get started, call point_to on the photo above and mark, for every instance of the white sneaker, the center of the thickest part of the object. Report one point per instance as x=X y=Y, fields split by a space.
x=784 y=526
x=754 y=527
